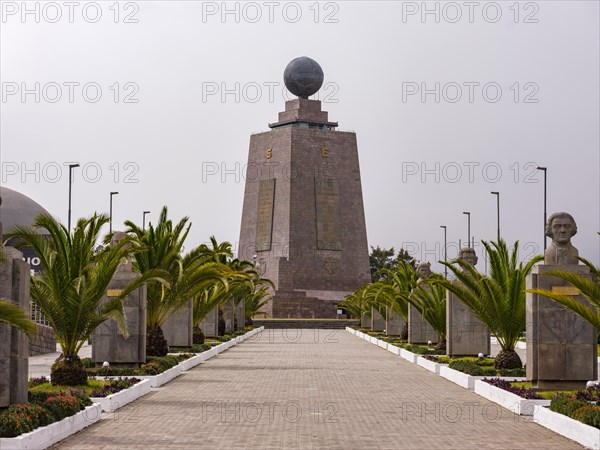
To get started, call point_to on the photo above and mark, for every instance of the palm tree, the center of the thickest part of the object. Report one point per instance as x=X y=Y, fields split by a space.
x=254 y=302
x=589 y=288
x=430 y=300
x=187 y=275
x=498 y=300
x=70 y=291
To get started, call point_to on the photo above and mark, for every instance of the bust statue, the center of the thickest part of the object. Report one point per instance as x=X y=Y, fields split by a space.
x=468 y=254
x=116 y=237
x=424 y=270
x=561 y=227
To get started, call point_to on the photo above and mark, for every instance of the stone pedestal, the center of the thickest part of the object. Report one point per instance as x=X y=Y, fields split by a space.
x=377 y=320
x=466 y=335
x=179 y=328
x=229 y=315
x=108 y=342
x=240 y=314
x=394 y=323
x=365 y=321
x=561 y=346
x=14 y=344
x=419 y=330
x=210 y=324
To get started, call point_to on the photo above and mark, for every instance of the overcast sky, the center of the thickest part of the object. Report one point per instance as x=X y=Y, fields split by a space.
x=447 y=106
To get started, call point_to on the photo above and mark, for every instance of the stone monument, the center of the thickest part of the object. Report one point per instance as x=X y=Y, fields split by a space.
x=14 y=344
x=108 y=342
x=561 y=346
x=394 y=323
x=419 y=330
x=210 y=324
x=240 y=314
x=303 y=211
x=229 y=315
x=377 y=320
x=178 y=329
x=466 y=335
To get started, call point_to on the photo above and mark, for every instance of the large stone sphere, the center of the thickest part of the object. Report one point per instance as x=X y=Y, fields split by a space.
x=303 y=77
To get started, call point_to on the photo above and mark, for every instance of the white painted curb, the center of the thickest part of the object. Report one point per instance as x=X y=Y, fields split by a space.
x=44 y=437
x=567 y=427
x=429 y=365
x=460 y=378
x=116 y=401
x=518 y=405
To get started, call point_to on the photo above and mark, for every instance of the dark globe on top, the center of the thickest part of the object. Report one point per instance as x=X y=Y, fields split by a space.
x=303 y=77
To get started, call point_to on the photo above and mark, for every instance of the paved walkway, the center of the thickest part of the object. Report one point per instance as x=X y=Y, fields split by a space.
x=323 y=389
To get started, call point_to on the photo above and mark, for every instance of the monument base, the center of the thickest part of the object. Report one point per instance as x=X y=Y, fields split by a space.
x=301 y=305
x=561 y=345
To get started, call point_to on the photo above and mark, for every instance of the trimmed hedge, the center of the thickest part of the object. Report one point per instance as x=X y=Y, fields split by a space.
x=580 y=410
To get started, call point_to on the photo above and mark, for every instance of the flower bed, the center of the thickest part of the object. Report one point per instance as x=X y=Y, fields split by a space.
x=45 y=436
x=517 y=399
x=570 y=428
x=112 y=402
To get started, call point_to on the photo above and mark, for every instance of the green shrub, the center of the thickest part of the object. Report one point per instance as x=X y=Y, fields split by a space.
x=582 y=411
x=19 y=419
x=512 y=372
x=87 y=363
x=62 y=405
x=199 y=348
x=467 y=367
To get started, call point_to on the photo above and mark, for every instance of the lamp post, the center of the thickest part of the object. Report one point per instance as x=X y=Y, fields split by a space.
x=497 y=194
x=468 y=228
x=144 y=219
x=71 y=167
x=110 y=212
x=445 y=250
x=545 y=170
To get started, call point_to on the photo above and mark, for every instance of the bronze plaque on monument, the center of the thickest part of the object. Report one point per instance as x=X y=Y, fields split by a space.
x=327 y=199
x=264 y=222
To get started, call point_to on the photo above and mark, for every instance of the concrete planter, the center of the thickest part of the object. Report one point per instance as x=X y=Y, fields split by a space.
x=162 y=378
x=429 y=365
x=567 y=427
x=516 y=404
x=460 y=378
x=409 y=356
x=116 y=401
x=209 y=353
x=382 y=344
x=373 y=340
x=44 y=437
x=393 y=349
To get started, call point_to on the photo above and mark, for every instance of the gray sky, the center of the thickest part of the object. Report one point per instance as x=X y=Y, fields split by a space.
x=516 y=87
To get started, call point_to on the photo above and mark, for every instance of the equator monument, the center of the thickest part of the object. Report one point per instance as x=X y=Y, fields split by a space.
x=303 y=219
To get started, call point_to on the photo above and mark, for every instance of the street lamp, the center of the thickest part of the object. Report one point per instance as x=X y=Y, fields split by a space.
x=110 y=212
x=144 y=219
x=71 y=167
x=497 y=194
x=544 y=169
x=445 y=250
x=468 y=228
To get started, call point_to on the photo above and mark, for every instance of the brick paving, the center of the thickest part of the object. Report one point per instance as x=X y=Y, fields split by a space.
x=312 y=389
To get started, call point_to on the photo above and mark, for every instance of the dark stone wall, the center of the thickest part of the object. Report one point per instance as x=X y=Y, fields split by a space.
x=44 y=342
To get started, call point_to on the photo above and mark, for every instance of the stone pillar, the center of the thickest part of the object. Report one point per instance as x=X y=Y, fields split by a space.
x=394 y=323
x=210 y=324
x=14 y=344
x=108 y=342
x=240 y=314
x=466 y=334
x=561 y=346
x=365 y=320
x=229 y=315
x=377 y=320
x=179 y=328
x=419 y=330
